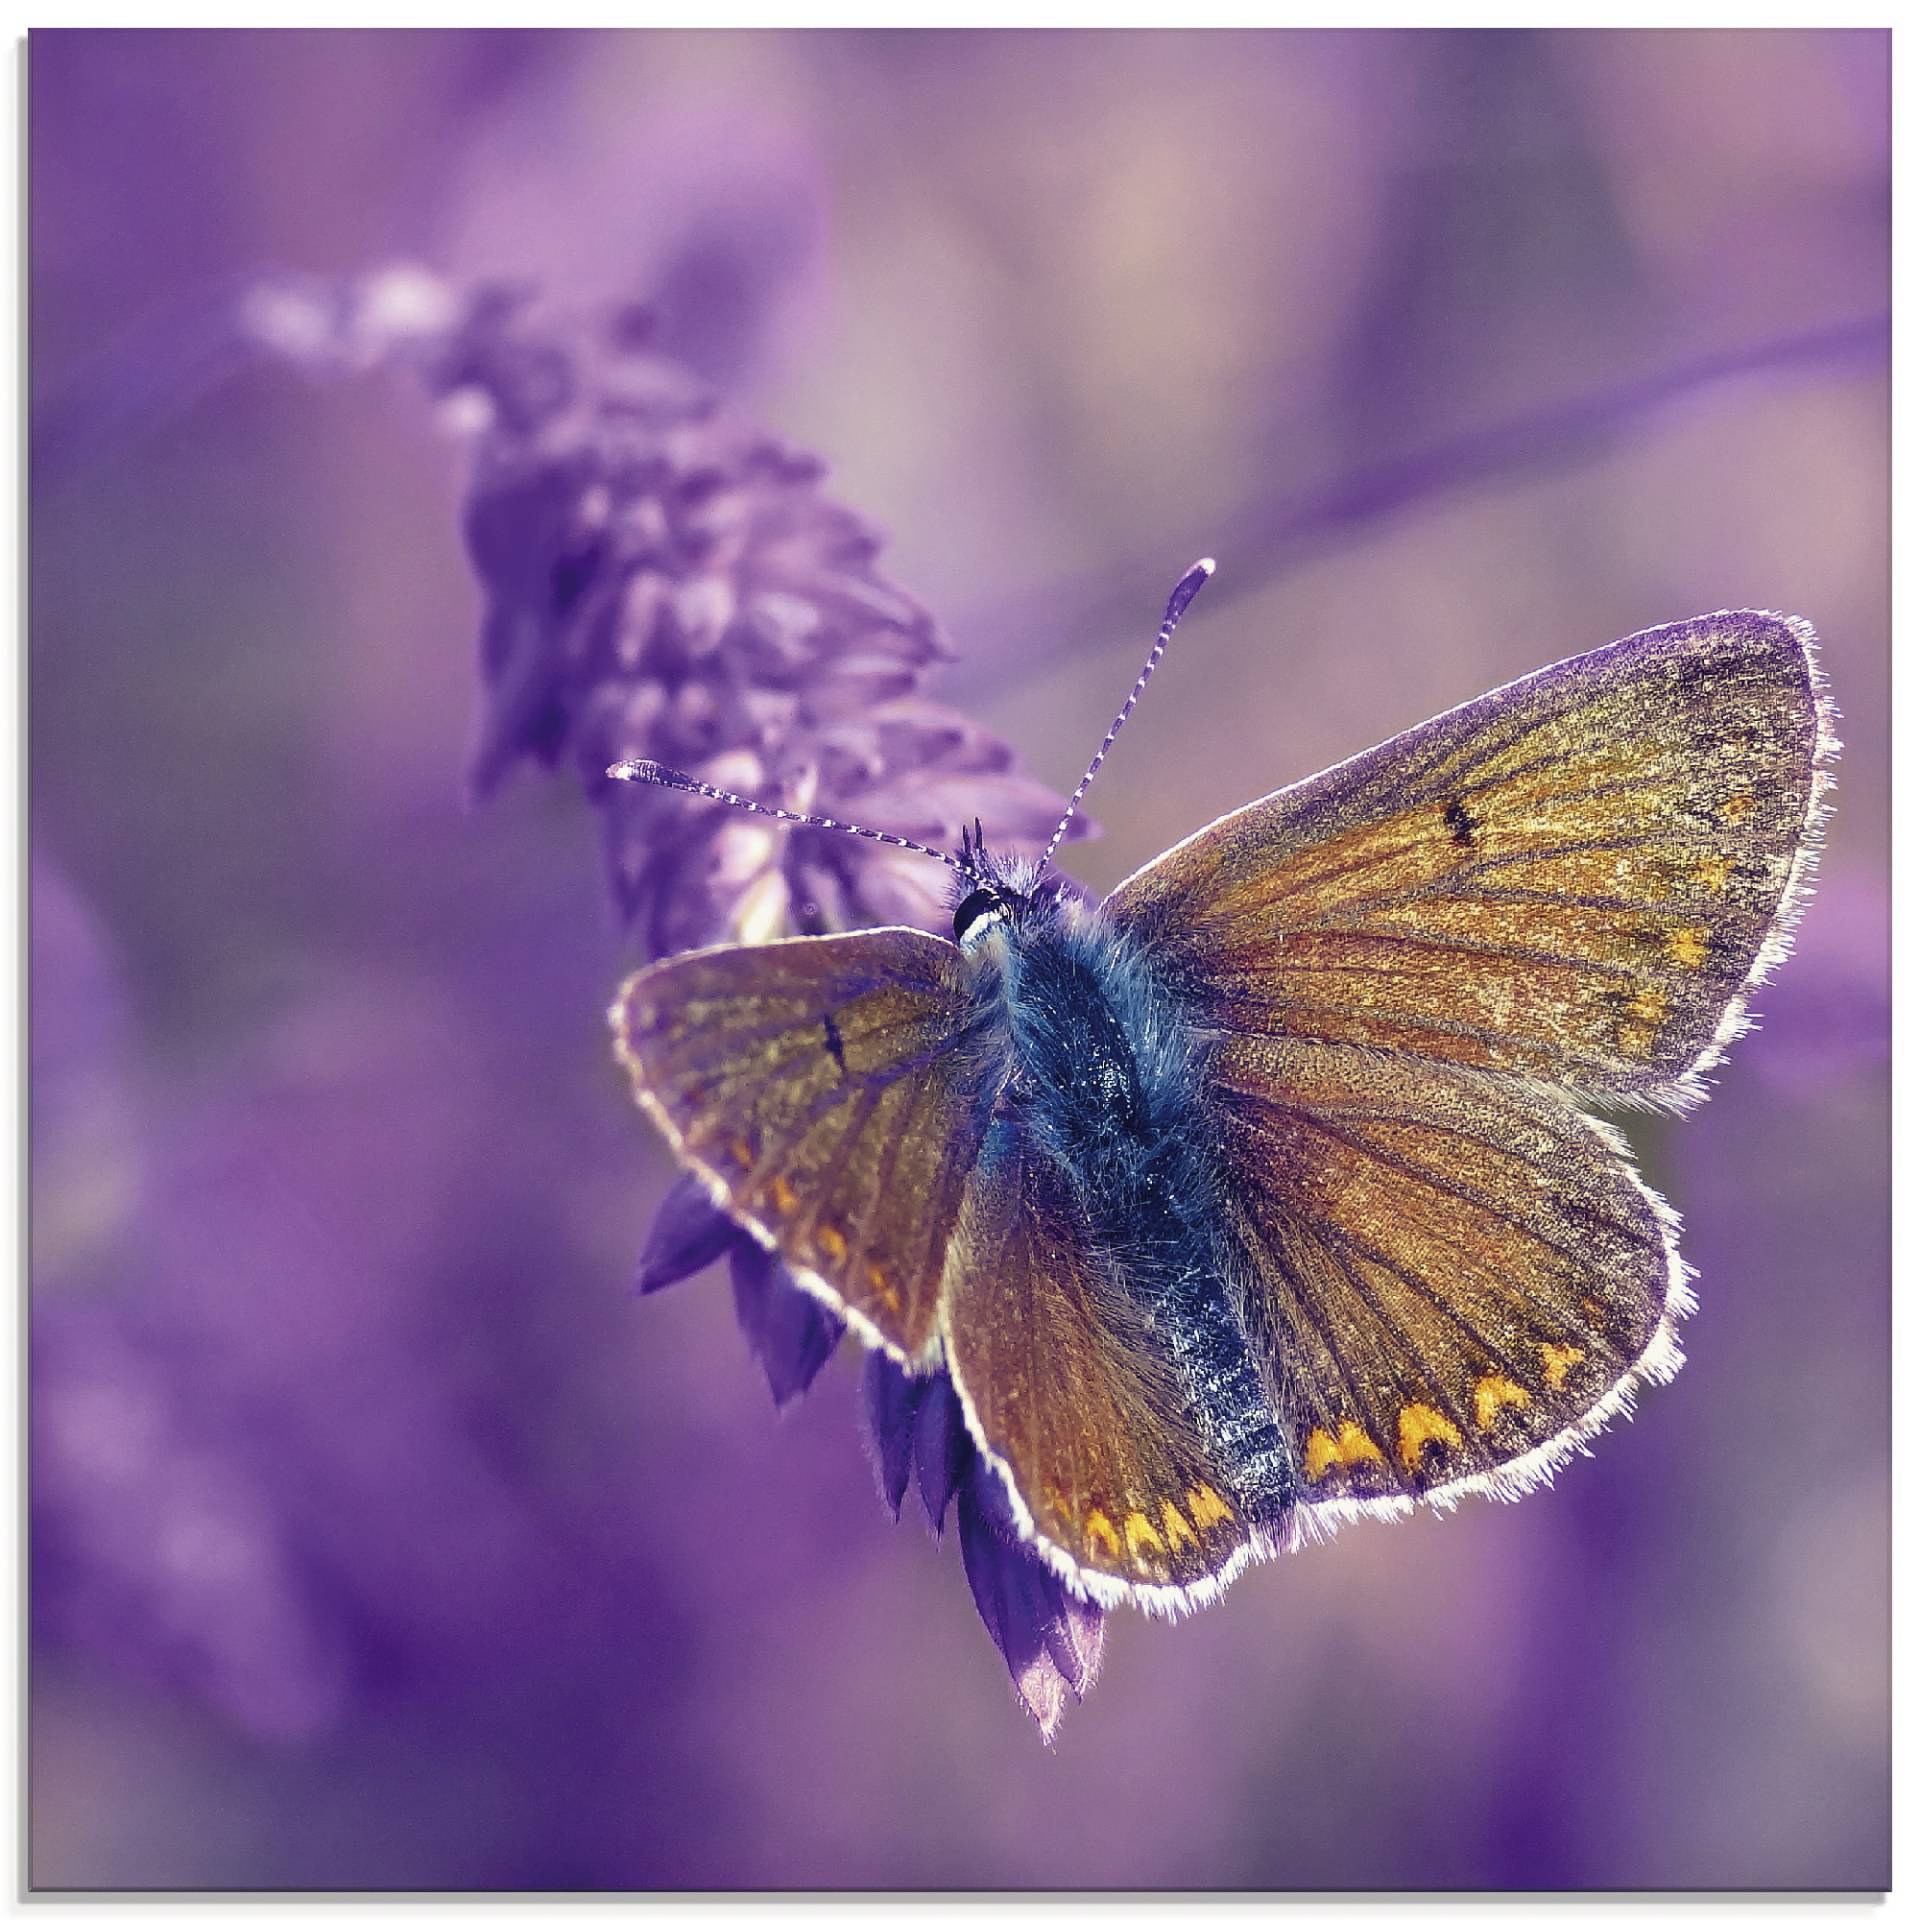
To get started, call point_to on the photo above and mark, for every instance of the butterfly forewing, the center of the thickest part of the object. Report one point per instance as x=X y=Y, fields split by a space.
x=1451 y=1271
x=1575 y=878
x=1065 y=1388
x=827 y=1090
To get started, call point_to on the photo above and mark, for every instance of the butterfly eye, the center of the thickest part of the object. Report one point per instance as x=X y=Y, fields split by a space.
x=978 y=911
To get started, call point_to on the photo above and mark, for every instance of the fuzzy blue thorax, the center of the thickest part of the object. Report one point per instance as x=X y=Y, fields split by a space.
x=1102 y=1072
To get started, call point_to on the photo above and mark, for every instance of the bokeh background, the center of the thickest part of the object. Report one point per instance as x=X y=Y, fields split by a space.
x=380 y=1538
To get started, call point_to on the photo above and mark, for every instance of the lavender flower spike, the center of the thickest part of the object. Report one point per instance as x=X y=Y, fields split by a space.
x=666 y=583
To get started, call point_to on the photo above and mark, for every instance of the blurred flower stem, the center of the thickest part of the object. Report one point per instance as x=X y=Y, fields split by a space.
x=1272 y=535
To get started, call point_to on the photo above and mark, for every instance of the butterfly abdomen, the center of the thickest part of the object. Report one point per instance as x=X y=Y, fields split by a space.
x=1106 y=1082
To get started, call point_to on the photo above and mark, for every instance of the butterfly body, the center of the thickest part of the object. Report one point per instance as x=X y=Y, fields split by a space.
x=1263 y=1194
x=1101 y=1068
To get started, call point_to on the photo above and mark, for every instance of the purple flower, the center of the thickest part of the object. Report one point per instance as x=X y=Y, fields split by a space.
x=689 y=1233
x=666 y=582
x=791 y=1334
x=1050 y=1639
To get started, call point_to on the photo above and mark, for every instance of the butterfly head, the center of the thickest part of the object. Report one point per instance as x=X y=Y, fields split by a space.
x=994 y=891
x=980 y=912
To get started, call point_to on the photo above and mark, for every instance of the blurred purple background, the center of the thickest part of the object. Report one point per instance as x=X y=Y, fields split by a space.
x=380 y=1538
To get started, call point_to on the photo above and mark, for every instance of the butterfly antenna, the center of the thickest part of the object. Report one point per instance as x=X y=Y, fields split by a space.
x=1195 y=577
x=652 y=773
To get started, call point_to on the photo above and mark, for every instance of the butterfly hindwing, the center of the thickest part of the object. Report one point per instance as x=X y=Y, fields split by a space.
x=1453 y=1273
x=1576 y=878
x=1066 y=1390
x=830 y=1091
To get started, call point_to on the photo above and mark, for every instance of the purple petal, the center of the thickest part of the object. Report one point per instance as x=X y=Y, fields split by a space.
x=941 y=1448
x=689 y=1232
x=1050 y=1641
x=892 y=1398
x=791 y=1334
x=1075 y=1636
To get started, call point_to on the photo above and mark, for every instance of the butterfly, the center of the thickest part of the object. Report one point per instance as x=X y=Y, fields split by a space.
x=1265 y=1193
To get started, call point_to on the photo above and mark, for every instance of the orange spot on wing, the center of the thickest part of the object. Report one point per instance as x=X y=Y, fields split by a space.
x=1141 y=1537
x=1713 y=872
x=1353 y=1448
x=1557 y=1362
x=742 y=1153
x=1492 y=1392
x=1736 y=807
x=882 y=1286
x=830 y=1240
x=1100 y=1534
x=1645 y=1011
x=1687 y=946
x=1419 y=1424
x=1175 y=1523
x=1207 y=1508
x=784 y=1197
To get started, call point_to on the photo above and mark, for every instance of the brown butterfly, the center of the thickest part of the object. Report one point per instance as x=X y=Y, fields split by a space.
x=1262 y=1194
